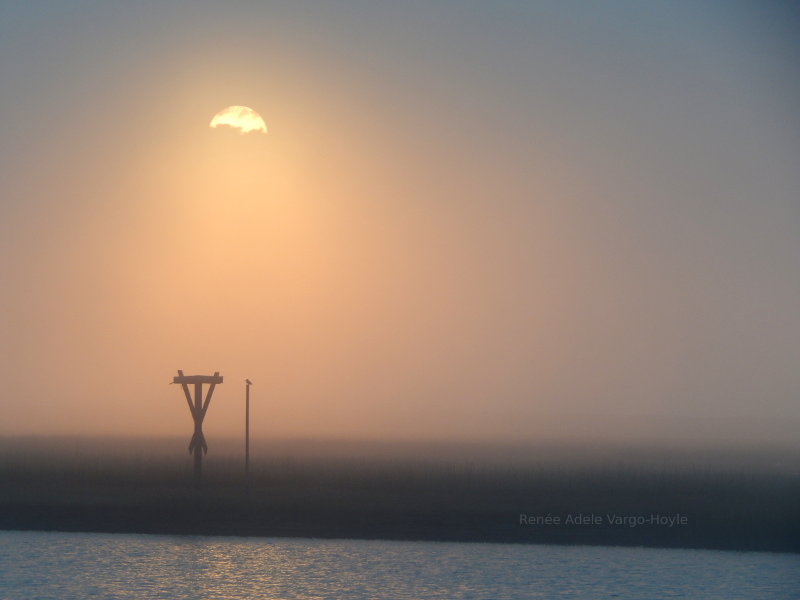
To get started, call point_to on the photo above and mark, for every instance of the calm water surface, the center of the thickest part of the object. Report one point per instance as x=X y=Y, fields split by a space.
x=83 y=565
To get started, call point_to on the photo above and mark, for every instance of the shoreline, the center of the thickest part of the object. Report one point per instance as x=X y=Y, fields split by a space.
x=724 y=505
x=435 y=540
x=322 y=518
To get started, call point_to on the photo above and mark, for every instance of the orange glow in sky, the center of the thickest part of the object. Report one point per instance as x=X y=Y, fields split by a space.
x=478 y=221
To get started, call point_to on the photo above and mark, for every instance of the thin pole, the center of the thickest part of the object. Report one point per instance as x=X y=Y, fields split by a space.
x=198 y=429
x=247 y=429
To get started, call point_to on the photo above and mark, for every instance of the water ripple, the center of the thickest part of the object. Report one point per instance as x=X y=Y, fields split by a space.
x=112 y=566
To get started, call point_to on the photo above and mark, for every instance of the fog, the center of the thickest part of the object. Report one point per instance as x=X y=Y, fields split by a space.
x=470 y=224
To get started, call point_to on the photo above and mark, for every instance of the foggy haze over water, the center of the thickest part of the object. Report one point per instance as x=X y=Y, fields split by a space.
x=475 y=222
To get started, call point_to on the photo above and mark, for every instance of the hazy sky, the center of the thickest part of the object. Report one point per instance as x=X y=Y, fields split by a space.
x=468 y=220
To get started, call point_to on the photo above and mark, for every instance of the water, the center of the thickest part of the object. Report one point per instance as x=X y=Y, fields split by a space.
x=81 y=565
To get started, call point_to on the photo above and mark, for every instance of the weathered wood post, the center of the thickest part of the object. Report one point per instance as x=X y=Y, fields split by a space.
x=198 y=409
x=248 y=383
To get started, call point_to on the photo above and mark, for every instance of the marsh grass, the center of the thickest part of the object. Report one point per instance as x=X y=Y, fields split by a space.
x=365 y=492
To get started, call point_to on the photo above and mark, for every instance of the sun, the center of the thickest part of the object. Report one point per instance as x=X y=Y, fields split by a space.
x=243 y=118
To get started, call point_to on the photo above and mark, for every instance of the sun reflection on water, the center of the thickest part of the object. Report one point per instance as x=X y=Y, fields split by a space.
x=76 y=565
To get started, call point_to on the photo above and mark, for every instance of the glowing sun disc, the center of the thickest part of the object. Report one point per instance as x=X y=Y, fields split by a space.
x=243 y=118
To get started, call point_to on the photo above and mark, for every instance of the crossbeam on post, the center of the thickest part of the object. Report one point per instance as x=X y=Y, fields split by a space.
x=198 y=409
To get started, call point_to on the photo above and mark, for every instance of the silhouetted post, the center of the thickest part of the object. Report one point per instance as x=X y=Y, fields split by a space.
x=198 y=408
x=248 y=383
